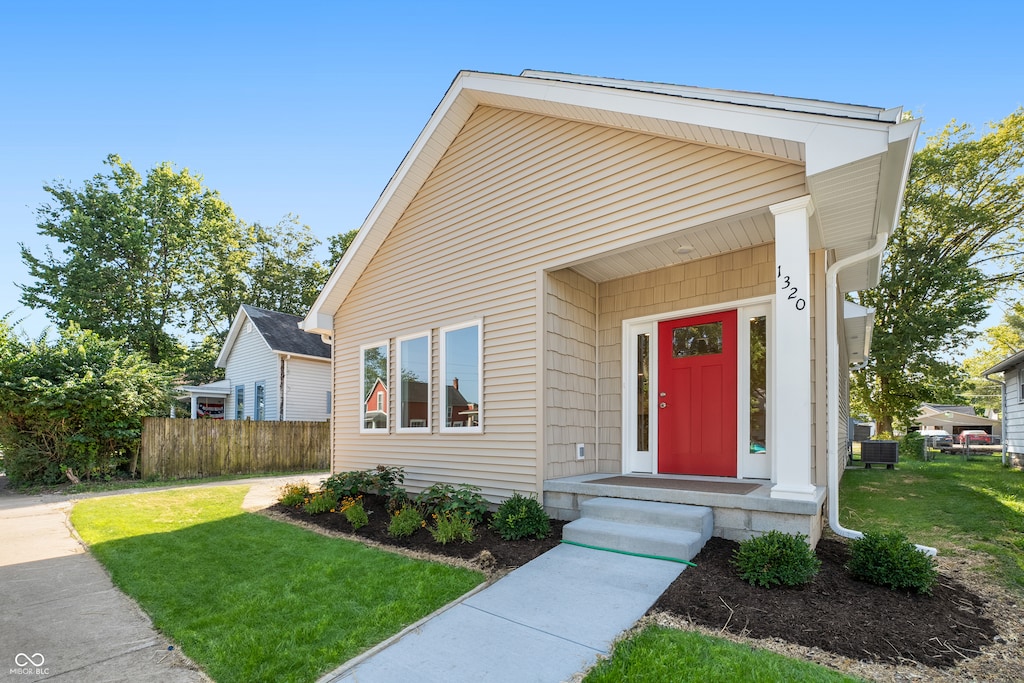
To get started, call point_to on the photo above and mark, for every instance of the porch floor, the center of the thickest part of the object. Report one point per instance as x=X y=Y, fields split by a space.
x=737 y=515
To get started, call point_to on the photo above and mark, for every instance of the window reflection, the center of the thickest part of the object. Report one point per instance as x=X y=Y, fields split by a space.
x=643 y=376
x=697 y=340
x=375 y=387
x=758 y=384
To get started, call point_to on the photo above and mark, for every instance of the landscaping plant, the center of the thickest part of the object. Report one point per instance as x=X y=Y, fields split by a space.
x=319 y=503
x=405 y=522
x=294 y=495
x=348 y=484
x=464 y=499
x=453 y=526
x=776 y=558
x=521 y=517
x=889 y=559
x=354 y=512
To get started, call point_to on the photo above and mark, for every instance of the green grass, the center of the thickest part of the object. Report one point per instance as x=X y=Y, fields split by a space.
x=97 y=486
x=251 y=599
x=949 y=503
x=665 y=655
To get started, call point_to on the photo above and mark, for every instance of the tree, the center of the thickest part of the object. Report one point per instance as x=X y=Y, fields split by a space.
x=1001 y=341
x=132 y=249
x=74 y=405
x=958 y=245
x=338 y=244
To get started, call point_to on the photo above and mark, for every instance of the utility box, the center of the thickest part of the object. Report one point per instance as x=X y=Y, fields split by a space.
x=880 y=453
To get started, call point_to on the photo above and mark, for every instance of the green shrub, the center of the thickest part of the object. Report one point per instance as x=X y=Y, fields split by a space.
x=319 y=503
x=464 y=499
x=348 y=484
x=405 y=522
x=453 y=526
x=355 y=513
x=911 y=446
x=383 y=480
x=776 y=558
x=294 y=495
x=521 y=517
x=889 y=559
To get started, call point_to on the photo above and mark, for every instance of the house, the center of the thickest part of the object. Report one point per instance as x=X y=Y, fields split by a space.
x=650 y=285
x=955 y=419
x=274 y=371
x=1012 y=369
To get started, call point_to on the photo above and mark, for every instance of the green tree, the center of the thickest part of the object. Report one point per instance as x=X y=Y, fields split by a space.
x=957 y=247
x=338 y=244
x=131 y=249
x=1001 y=341
x=73 y=405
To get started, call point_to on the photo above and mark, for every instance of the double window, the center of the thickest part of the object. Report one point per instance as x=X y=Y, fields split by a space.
x=459 y=390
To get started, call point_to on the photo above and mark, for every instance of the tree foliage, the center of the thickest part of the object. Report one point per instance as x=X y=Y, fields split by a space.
x=75 y=403
x=1000 y=342
x=957 y=246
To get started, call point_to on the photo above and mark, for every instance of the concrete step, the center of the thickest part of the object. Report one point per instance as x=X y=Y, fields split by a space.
x=651 y=513
x=635 y=538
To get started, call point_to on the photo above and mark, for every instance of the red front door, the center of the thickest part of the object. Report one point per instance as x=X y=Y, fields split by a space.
x=697 y=395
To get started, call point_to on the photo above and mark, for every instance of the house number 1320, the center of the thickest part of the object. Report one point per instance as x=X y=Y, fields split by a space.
x=794 y=292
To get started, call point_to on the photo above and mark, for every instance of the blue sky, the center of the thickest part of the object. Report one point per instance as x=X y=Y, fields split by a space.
x=308 y=108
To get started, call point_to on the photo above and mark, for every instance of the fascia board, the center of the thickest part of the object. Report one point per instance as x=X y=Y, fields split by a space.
x=1004 y=364
x=303 y=356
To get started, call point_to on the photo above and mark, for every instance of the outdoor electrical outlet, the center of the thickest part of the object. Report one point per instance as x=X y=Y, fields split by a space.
x=579 y=451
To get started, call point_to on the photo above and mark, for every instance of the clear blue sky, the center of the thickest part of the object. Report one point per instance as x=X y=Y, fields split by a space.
x=309 y=107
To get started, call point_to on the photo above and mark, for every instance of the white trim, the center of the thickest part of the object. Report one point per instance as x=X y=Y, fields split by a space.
x=633 y=460
x=443 y=383
x=633 y=326
x=747 y=466
x=425 y=429
x=292 y=354
x=363 y=391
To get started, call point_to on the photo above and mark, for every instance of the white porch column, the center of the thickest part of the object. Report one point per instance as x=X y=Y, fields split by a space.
x=195 y=406
x=791 y=407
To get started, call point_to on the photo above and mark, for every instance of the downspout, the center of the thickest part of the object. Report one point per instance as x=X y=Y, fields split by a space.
x=1002 y=412
x=832 y=383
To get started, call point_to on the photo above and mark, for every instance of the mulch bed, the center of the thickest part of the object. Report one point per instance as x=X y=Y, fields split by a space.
x=834 y=612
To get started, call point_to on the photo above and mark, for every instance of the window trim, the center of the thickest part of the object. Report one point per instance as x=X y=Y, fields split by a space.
x=443 y=383
x=1020 y=387
x=364 y=397
x=400 y=397
x=259 y=413
x=239 y=404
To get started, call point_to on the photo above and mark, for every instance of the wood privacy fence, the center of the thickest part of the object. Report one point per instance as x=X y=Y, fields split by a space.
x=178 y=449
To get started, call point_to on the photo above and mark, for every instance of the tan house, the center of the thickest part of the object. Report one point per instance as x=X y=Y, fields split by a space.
x=636 y=288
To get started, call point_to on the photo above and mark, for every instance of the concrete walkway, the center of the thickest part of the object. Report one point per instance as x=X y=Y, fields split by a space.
x=61 y=617
x=545 y=621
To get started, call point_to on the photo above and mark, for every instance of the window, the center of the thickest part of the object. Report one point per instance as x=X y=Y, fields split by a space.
x=374 y=362
x=462 y=375
x=414 y=383
x=697 y=340
x=260 y=409
x=758 y=384
x=240 y=402
x=643 y=392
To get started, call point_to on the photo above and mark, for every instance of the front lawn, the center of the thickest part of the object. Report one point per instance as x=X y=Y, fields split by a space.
x=949 y=503
x=252 y=599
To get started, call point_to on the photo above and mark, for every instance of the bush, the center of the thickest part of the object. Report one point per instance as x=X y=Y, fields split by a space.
x=463 y=499
x=319 y=503
x=776 y=559
x=354 y=512
x=348 y=484
x=889 y=559
x=521 y=517
x=294 y=495
x=453 y=526
x=405 y=522
x=383 y=480
x=911 y=446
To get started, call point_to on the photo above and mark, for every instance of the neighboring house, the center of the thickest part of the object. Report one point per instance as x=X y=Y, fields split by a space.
x=955 y=419
x=1012 y=369
x=375 y=413
x=273 y=370
x=625 y=278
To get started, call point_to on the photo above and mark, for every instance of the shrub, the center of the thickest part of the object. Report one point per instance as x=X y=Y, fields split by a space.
x=889 y=559
x=319 y=503
x=294 y=495
x=452 y=526
x=464 y=499
x=776 y=558
x=383 y=480
x=405 y=522
x=911 y=446
x=354 y=512
x=521 y=517
x=348 y=484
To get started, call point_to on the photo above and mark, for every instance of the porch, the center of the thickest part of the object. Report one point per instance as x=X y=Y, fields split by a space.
x=742 y=508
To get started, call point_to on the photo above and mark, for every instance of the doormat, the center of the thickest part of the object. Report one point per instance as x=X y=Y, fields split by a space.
x=735 y=487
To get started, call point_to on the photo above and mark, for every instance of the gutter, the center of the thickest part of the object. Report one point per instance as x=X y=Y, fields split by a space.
x=832 y=382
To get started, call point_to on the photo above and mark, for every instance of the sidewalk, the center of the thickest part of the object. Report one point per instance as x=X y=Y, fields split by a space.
x=62 y=618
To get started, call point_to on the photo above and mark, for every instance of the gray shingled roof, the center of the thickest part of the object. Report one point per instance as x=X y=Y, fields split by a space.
x=281 y=330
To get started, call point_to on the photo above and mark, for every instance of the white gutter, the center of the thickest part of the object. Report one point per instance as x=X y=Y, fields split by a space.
x=832 y=382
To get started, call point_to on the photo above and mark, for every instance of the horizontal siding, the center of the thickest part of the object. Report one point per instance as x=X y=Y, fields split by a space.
x=306 y=388
x=1013 y=421
x=251 y=361
x=516 y=193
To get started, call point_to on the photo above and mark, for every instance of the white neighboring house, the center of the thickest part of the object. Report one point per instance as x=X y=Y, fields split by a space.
x=274 y=371
x=1012 y=369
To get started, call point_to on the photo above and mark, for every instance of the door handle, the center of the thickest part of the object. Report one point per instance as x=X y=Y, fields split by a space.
x=663 y=405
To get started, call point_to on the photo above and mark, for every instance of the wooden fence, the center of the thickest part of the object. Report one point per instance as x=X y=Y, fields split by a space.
x=179 y=449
